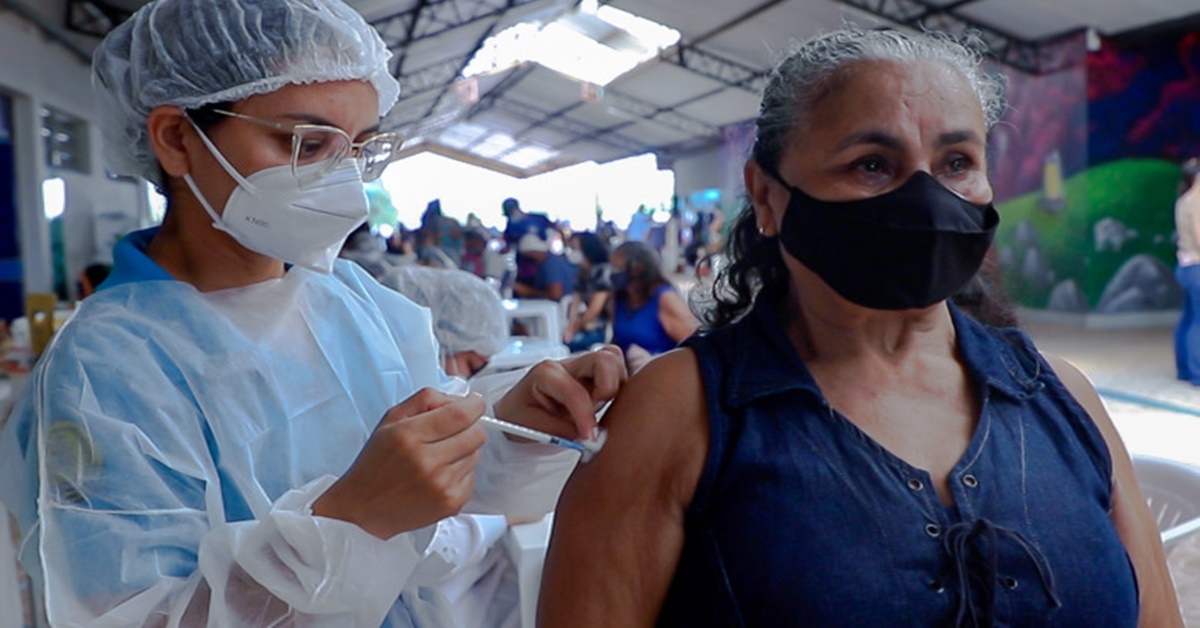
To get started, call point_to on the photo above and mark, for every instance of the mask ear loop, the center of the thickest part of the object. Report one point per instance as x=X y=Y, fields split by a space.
x=216 y=153
x=218 y=221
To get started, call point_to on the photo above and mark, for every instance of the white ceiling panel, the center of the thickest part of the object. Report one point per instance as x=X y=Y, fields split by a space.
x=601 y=116
x=727 y=107
x=655 y=133
x=545 y=136
x=649 y=83
x=548 y=90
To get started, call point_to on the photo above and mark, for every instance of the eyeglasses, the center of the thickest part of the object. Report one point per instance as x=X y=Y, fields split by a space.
x=328 y=146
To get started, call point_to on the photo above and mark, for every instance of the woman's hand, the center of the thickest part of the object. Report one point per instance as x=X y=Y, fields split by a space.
x=417 y=467
x=561 y=397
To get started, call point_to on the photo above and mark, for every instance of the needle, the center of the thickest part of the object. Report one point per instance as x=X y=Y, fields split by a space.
x=542 y=437
x=532 y=434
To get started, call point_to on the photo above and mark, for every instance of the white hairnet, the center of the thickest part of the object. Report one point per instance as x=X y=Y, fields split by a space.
x=467 y=315
x=191 y=53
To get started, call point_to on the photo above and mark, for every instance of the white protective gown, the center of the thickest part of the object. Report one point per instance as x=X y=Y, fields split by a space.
x=171 y=443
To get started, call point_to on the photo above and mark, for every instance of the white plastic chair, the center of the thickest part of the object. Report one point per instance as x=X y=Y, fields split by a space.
x=526 y=544
x=1172 y=490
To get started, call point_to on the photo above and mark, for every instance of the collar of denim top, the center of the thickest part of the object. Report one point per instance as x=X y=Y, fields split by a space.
x=767 y=364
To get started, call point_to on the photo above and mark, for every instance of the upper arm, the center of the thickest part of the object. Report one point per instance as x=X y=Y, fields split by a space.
x=618 y=530
x=675 y=317
x=1130 y=514
x=596 y=305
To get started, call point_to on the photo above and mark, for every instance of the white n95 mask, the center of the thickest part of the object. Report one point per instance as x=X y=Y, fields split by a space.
x=270 y=213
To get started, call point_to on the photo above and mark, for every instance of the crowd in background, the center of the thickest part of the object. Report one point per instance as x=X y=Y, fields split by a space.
x=622 y=286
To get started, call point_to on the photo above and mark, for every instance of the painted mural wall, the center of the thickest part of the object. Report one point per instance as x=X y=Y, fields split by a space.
x=1086 y=169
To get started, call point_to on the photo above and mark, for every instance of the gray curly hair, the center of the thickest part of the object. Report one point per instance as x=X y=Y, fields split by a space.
x=799 y=79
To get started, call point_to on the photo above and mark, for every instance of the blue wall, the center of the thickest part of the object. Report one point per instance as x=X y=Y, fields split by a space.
x=11 y=296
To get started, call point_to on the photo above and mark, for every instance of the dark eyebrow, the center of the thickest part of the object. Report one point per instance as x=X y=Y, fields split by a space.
x=958 y=137
x=311 y=119
x=869 y=136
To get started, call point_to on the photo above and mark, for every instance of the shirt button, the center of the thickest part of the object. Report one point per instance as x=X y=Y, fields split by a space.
x=936 y=586
x=970 y=480
x=1010 y=582
x=933 y=530
x=916 y=484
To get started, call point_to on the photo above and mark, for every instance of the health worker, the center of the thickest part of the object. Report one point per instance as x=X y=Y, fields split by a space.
x=237 y=428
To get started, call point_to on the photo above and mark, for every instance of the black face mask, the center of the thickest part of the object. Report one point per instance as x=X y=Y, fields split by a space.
x=619 y=280
x=909 y=248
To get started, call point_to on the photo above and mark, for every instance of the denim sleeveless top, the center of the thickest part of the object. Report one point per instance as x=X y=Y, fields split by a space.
x=641 y=327
x=801 y=519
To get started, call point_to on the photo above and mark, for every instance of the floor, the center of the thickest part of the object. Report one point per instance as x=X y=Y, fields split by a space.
x=1156 y=414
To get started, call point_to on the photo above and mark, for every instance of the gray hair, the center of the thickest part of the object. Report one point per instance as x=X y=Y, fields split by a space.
x=797 y=81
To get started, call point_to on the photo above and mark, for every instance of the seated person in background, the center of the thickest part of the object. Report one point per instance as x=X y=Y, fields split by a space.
x=367 y=250
x=440 y=231
x=91 y=277
x=468 y=320
x=588 y=313
x=479 y=257
x=551 y=278
x=649 y=315
x=401 y=246
x=846 y=447
x=521 y=224
x=435 y=257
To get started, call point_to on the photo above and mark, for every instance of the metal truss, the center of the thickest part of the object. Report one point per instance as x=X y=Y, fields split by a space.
x=718 y=68
x=445 y=112
x=432 y=77
x=94 y=17
x=664 y=116
x=1033 y=57
x=577 y=130
x=728 y=72
x=430 y=18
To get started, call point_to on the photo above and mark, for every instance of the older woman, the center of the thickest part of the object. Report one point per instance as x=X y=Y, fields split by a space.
x=235 y=430
x=845 y=447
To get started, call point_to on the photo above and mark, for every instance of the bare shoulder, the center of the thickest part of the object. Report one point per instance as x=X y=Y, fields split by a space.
x=625 y=509
x=1135 y=525
x=1084 y=392
x=665 y=394
x=658 y=425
